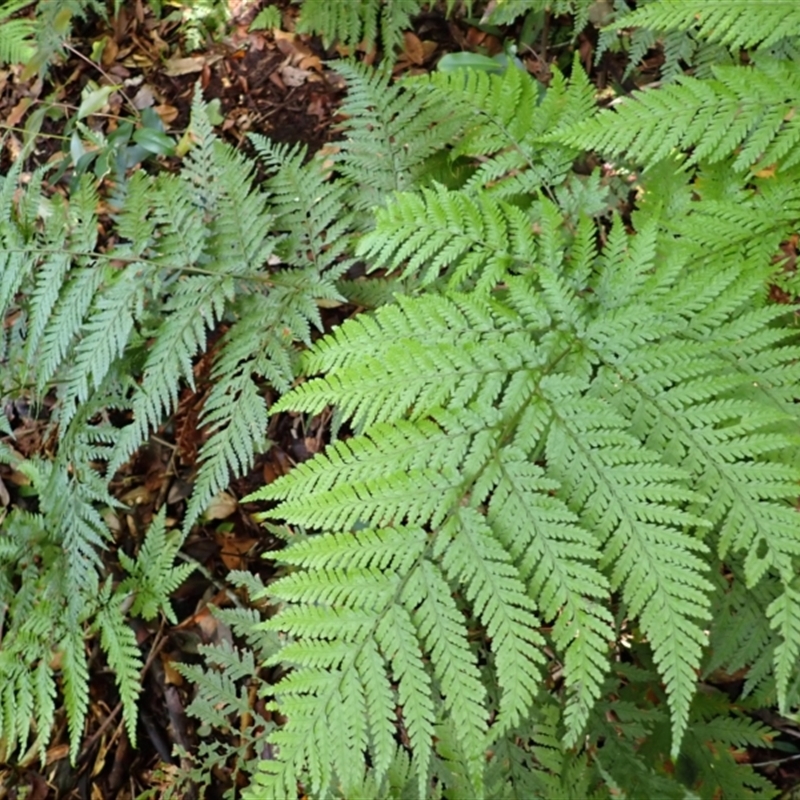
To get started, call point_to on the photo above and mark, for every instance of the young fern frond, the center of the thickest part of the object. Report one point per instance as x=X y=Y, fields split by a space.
x=153 y=575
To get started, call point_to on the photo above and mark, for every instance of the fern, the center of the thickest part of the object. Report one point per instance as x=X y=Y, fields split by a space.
x=749 y=111
x=459 y=399
x=195 y=249
x=153 y=576
x=359 y=20
x=223 y=687
x=732 y=23
x=391 y=132
x=567 y=477
x=16 y=35
x=654 y=363
x=509 y=120
x=35 y=43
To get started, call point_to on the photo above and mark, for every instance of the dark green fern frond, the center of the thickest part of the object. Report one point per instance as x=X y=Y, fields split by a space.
x=742 y=636
x=747 y=111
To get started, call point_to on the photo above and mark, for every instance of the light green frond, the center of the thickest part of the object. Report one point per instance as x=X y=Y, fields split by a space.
x=439 y=624
x=122 y=651
x=75 y=688
x=747 y=111
x=391 y=129
x=452 y=234
x=472 y=556
x=733 y=23
x=153 y=574
x=16 y=37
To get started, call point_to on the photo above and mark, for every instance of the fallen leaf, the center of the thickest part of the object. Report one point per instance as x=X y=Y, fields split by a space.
x=293 y=76
x=18 y=112
x=232 y=549
x=171 y=675
x=221 y=506
x=413 y=49
x=144 y=98
x=167 y=113
x=175 y=67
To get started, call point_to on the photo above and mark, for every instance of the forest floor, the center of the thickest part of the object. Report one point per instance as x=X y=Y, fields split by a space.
x=284 y=85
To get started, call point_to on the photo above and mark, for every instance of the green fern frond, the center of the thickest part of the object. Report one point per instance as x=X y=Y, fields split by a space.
x=53 y=26
x=359 y=20
x=16 y=36
x=391 y=129
x=153 y=574
x=732 y=23
x=475 y=411
x=456 y=235
x=122 y=651
x=511 y=116
x=75 y=686
x=747 y=111
x=309 y=208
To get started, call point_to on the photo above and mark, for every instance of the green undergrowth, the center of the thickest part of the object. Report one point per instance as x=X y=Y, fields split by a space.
x=557 y=513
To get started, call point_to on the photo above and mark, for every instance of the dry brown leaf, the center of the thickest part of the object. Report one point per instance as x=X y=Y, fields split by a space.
x=110 y=53
x=413 y=49
x=100 y=763
x=311 y=62
x=144 y=98
x=167 y=113
x=139 y=495
x=175 y=67
x=171 y=675
x=56 y=753
x=293 y=76
x=221 y=506
x=18 y=112
x=234 y=549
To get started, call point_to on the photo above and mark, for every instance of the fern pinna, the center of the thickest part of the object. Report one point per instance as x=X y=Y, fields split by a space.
x=552 y=464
